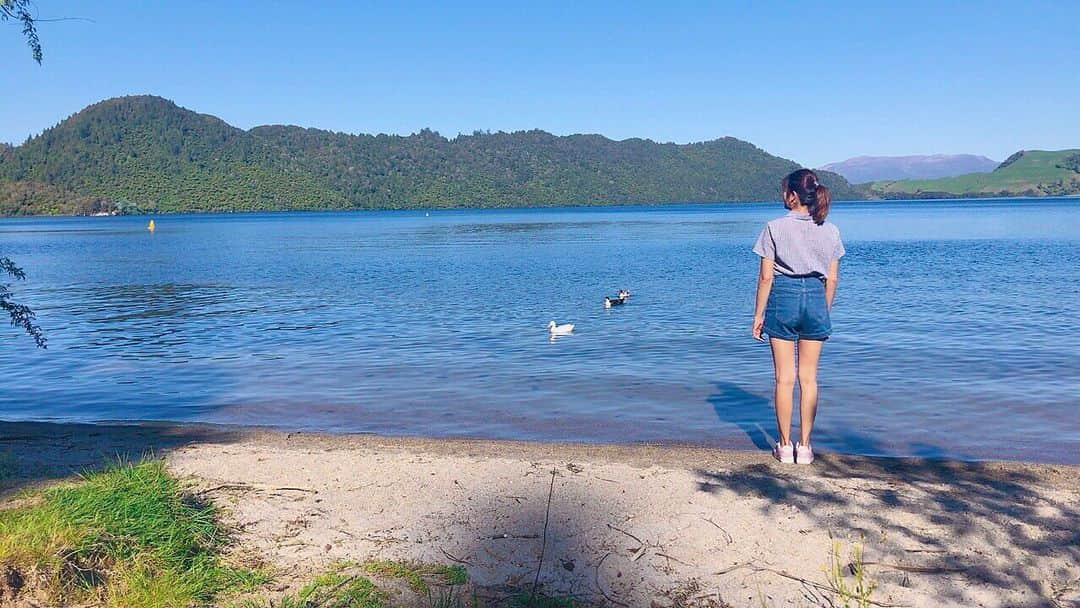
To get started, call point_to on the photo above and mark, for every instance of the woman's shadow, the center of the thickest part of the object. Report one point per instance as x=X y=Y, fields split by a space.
x=751 y=413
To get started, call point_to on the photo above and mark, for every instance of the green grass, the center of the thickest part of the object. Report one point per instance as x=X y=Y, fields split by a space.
x=416 y=575
x=126 y=537
x=526 y=600
x=453 y=575
x=332 y=589
x=857 y=594
x=341 y=586
x=1033 y=171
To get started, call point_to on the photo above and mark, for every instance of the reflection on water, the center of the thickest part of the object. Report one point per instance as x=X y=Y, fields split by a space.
x=948 y=322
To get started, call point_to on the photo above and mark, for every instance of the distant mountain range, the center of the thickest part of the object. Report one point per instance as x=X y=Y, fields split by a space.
x=1026 y=173
x=863 y=169
x=145 y=153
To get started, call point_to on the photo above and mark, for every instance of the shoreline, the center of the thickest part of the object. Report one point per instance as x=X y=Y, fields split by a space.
x=639 y=523
x=617 y=450
x=975 y=198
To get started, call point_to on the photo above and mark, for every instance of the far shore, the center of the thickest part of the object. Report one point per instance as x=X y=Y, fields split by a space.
x=982 y=198
x=632 y=525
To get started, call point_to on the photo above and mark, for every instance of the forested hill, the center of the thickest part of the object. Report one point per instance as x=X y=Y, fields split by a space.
x=146 y=153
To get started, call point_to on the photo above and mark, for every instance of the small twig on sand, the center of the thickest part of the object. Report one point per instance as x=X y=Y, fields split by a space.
x=225 y=486
x=600 y=588
x=617 y=529
x=816 y=597
x=755 y=568
x=288 y=489
x=919 y=569
x=666 y=556
x=543 y=544
x=718 y=527
x=451 y=557
x=643 y=547
x=383 y=540
x=244 y=486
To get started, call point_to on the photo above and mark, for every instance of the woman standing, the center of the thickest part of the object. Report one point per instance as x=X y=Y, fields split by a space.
x=800 y=264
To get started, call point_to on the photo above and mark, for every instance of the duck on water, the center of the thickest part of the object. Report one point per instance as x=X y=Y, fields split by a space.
x=560 y=330
x=618 y=300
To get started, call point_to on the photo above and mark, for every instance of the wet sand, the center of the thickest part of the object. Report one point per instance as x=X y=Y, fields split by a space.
x=634 y=525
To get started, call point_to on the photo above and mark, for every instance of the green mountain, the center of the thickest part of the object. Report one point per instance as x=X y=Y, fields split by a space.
x=146 y=153
x=1026 y=173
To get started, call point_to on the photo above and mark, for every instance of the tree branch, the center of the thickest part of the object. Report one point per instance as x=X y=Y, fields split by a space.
x=19 y=10
x=20 y=314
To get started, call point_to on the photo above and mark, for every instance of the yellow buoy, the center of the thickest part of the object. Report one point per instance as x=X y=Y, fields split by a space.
x=150 y=226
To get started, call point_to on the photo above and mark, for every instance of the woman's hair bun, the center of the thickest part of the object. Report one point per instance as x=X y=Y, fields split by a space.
x=804 y=183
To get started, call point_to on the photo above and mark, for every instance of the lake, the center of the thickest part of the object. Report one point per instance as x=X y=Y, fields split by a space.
x=955 y=325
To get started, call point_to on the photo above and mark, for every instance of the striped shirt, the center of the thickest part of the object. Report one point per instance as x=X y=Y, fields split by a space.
x=799 y=247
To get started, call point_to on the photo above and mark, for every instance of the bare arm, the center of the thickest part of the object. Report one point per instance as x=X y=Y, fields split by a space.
x=830 y=283
x=764 y=286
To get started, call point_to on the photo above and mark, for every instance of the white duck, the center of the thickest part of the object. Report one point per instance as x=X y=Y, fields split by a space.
x=560 y=330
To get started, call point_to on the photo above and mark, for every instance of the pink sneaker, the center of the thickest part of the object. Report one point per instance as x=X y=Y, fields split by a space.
x=804 y=454
x=784 y=453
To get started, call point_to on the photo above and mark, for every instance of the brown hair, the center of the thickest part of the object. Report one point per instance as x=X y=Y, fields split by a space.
x=804 y=183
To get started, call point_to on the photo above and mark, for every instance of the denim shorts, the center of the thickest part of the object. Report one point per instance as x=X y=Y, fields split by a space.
x=796 y=309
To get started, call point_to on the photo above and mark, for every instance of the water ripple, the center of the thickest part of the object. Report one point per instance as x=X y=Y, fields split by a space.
x=952 y=325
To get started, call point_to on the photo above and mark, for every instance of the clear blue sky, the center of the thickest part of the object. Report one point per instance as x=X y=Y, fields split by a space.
x=814 y=84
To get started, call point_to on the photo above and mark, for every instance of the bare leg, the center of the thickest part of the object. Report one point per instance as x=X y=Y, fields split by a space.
x=809 y=353
x=783 y=354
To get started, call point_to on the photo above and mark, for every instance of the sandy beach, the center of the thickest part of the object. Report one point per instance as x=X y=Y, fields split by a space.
x=627 y=525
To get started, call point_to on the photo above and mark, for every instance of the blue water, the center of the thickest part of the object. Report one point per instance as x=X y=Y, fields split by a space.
x=955 y=325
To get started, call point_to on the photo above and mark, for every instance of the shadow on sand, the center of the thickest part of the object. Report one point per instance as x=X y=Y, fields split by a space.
x=983 y=522
x=32 y=453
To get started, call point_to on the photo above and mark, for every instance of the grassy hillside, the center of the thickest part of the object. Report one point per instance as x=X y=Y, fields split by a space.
x=146 y=153
x=1026 y=173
